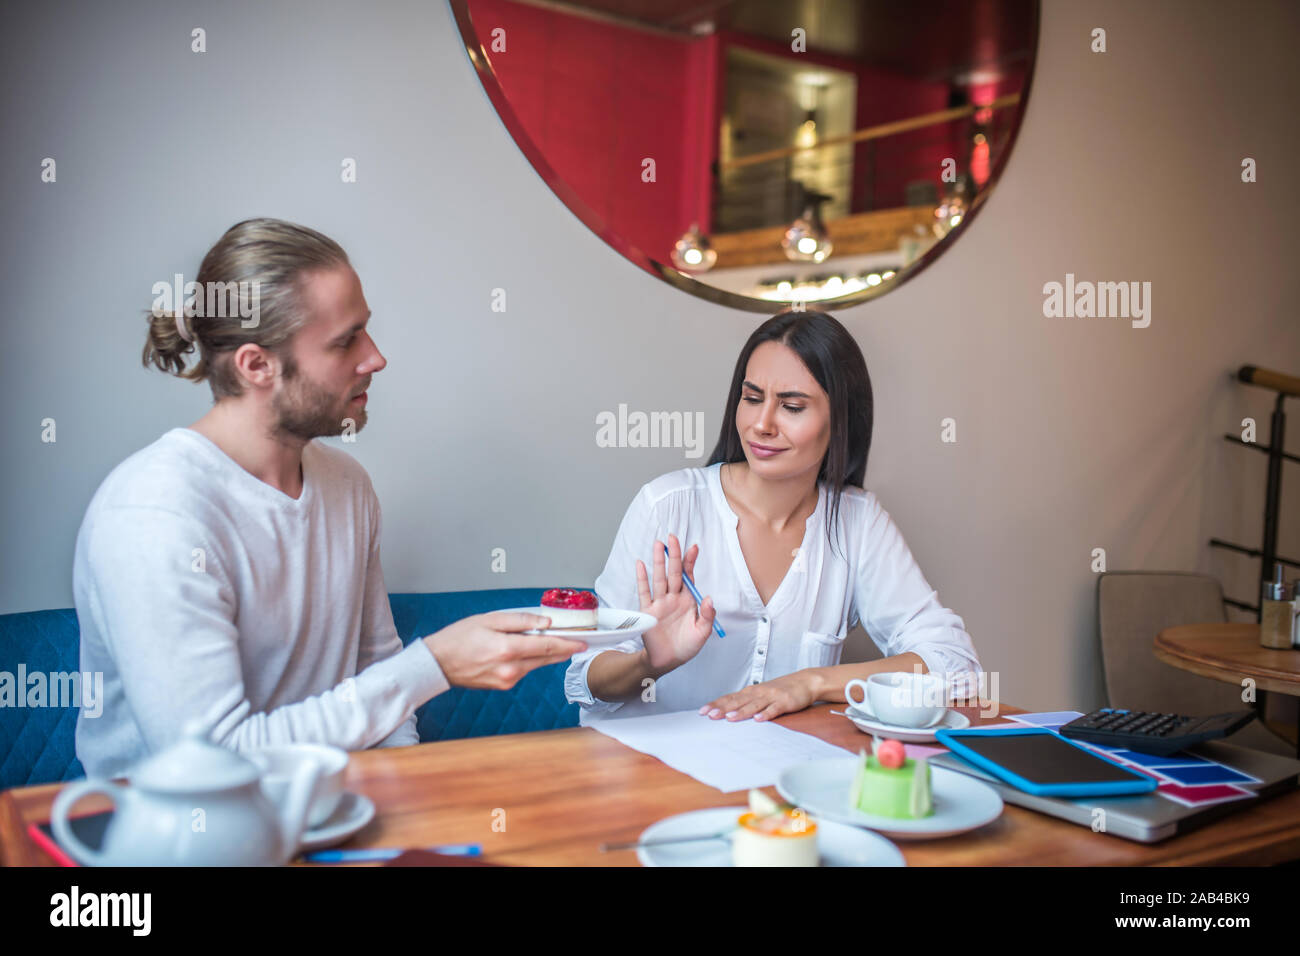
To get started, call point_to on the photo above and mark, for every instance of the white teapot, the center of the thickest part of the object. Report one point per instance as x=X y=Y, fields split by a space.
x=194 y=804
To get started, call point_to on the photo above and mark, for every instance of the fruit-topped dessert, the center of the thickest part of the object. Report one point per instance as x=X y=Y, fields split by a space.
x=888 y=783
x=570 y=610
x=774 y=834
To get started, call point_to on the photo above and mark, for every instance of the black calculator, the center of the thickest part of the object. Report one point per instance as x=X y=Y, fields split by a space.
x=1151 y=733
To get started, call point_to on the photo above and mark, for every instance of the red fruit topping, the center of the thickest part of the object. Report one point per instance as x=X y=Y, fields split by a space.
x=891 y=754
x=569 y=598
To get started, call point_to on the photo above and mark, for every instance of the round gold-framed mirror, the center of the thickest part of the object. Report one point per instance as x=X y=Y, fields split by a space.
x=763 y=153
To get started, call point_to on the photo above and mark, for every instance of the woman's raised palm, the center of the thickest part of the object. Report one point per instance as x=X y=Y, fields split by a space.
x=682 y=629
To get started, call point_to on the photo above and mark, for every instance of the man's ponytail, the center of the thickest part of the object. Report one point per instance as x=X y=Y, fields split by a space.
x=164 y=347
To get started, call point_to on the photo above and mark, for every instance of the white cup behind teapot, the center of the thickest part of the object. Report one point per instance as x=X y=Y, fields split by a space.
x=280 y=764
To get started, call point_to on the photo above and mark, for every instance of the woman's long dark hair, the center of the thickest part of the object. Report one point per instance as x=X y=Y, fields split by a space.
x=836 y=362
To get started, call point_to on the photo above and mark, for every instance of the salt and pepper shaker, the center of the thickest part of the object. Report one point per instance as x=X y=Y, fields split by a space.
x=1277 y=613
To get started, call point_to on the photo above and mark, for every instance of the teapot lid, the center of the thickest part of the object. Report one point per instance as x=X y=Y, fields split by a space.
x=194 y=763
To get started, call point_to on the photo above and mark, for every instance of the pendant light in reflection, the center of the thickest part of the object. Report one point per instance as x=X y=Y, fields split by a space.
x=952 y=207
x=693 y=252
x=807 y=239
x=805 y=136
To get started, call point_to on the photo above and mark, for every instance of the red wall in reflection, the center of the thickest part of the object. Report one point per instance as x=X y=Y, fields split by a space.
x=598 y=99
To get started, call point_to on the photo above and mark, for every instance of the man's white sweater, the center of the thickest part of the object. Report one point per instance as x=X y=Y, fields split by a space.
x=204 y=593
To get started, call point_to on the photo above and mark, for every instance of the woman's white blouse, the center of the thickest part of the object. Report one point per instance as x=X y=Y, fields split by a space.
x=873 y=577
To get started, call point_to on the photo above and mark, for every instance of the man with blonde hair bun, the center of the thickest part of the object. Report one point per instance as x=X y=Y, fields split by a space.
x=229 y=572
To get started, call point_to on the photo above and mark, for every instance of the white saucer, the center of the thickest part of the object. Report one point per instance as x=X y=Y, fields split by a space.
x=353 y=812
x=607 y=630
x=839 y=845
x=821 y=787
x=952 y=720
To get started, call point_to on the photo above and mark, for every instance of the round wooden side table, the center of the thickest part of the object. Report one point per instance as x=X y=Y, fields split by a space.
x=1230 y=652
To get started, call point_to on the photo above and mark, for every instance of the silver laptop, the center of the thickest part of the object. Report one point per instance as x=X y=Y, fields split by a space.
x=1150 y=818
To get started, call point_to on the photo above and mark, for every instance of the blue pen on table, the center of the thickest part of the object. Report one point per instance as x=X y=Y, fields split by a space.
x=686 y=579
x=386 y=853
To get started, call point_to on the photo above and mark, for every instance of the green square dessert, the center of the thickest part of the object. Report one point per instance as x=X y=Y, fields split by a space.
x=902 y=793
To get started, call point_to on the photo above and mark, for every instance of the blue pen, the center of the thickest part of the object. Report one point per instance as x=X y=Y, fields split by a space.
x=386 y=853
x=686 y=579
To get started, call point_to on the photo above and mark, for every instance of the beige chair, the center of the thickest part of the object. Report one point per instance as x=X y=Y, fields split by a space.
x=1132 y=608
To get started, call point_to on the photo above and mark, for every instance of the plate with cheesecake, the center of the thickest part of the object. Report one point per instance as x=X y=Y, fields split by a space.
x=764 y=833
x=577 y=614
x=883 y=789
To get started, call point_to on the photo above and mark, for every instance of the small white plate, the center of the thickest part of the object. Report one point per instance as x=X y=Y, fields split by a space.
x=821 y=787
x=353 y=812
x=952 y=720
x=838 y=844
x=607 y=630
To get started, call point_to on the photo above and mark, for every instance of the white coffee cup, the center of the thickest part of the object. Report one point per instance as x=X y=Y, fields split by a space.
x=278 y=765
x=900 y=699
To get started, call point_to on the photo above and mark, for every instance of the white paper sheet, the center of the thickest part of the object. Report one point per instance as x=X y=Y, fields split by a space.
x=728 y=755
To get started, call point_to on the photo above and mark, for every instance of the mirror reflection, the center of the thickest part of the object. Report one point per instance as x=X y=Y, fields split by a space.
x=763 y=152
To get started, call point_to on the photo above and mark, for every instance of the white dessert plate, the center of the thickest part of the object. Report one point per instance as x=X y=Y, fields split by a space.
x=353 y=812
x=952 y=720
x=821 y=787
x=607 y=625
x=838 y=844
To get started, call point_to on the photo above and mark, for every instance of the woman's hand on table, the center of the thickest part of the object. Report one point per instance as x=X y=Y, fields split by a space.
x=772 y=698
x=682 y=629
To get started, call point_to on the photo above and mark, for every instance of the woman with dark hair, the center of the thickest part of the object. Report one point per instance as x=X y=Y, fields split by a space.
x=796 y=552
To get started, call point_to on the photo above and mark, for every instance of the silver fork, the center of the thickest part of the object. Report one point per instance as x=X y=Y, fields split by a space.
x=622 y=626
x=608 y=847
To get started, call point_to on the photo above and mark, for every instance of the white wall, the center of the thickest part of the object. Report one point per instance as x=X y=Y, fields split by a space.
x=1072 y=433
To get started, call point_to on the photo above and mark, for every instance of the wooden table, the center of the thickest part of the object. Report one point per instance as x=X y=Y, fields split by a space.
x=1230 y=653
x=555 y=796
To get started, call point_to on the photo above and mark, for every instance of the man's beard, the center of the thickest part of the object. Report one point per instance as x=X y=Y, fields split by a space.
x=305 y=411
